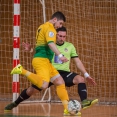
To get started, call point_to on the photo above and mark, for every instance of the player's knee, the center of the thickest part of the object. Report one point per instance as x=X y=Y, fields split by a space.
x=81 y=79
x=45 y=85
x=58 y=81
x=30 y=91
x=78 y=79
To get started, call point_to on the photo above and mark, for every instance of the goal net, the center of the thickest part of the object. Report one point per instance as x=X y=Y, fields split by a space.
x=92 y=28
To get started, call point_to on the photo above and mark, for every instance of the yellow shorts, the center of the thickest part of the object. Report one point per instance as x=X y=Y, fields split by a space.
x=44 y=69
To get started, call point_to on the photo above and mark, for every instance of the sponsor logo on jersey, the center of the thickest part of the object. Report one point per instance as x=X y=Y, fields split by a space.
x=65 y=49
x=51 y=34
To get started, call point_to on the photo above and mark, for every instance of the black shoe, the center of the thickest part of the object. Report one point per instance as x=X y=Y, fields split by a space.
x=87 y=103
x=10 y=106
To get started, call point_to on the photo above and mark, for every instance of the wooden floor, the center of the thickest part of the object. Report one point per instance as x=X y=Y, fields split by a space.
x=55 y=110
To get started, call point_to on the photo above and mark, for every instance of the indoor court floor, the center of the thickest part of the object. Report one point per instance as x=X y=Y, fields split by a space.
x=55 y=110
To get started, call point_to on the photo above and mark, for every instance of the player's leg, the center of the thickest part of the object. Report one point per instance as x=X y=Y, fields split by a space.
x=38 y=79
x=60 y=89
x=62 y=94
x=75 y=79
x=82 y=91
x=25 y=94
x=33 y=78
x=58 y=81
x=42 y=69
x=71 y=79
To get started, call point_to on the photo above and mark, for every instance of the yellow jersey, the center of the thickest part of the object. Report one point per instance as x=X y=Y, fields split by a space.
x=45 y=34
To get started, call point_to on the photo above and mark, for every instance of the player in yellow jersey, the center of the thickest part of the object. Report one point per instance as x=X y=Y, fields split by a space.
x=44 y=51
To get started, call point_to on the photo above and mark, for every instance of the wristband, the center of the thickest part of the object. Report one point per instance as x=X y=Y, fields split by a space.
x=60 y=55
x=31 y=50
x=86 y=75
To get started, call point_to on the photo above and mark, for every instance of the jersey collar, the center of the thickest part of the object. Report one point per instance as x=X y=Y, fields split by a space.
x=60 y=44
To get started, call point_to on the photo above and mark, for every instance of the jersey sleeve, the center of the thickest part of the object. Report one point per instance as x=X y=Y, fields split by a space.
x=73 y=52
x=50 y=35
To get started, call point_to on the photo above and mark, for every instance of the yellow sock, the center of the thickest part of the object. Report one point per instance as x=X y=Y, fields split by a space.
x=63 y=95
x=33 y=78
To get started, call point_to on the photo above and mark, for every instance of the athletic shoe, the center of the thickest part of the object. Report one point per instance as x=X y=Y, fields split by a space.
x=10 y=106
x=87 y=103
x=17 y=69
x=66 y=113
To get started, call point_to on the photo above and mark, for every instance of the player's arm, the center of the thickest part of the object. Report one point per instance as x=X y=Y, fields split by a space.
x=53 y=47
x=81 y=67
x=51 y=40
x=78 y=62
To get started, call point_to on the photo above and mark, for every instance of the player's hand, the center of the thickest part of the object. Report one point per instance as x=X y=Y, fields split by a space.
x=63 y=59
x=91 y=81
x=26 y=46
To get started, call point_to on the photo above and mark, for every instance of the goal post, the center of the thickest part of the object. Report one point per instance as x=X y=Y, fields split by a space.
x=16 y=45
x=91 y=27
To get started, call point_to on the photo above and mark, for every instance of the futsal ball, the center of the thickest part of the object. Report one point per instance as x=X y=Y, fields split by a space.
x=74 y=106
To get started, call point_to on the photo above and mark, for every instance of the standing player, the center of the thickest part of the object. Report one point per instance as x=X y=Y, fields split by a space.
x=71 y=78
x=45 y=49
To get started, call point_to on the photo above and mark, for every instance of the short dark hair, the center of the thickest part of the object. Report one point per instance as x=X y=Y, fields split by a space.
x=59 y=15
x=61 y=29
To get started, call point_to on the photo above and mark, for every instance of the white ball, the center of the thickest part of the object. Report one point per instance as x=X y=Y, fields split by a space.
x=74 y=106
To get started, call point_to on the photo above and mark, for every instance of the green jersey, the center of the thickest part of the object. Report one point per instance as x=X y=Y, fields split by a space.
x=69 y=51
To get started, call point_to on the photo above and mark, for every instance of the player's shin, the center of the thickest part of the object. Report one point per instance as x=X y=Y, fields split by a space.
x=63 y=95
x=82 y=91
x=23 y=96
